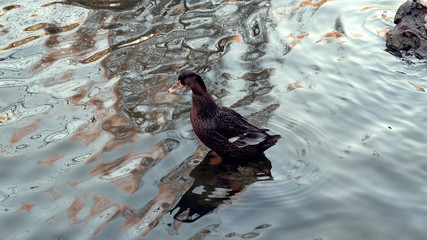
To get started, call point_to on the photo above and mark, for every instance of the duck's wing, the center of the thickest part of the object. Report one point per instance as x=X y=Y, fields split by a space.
x=237 y=130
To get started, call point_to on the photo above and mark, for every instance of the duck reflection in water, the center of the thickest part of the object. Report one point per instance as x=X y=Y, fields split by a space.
x=216 y=181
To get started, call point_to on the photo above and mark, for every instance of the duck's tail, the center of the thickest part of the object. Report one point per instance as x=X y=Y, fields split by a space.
x=269 y=142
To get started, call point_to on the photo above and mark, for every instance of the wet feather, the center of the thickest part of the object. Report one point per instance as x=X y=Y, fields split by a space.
x=220 y=128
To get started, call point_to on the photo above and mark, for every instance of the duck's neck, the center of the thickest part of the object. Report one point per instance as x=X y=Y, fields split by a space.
x=204 y=105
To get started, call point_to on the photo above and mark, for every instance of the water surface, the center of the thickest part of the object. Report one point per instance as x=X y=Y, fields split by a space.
x=93 y=147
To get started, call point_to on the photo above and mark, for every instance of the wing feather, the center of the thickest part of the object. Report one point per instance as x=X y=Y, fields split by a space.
x=237 y=130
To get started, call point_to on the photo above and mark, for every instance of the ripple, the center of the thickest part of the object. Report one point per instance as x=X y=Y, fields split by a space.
x=106 y=4
x=70 y=128
x=76 y=161
x=11 y=83
x=22 y=146
x=17 y=111
x=3 y=196
x=22 y=234
x=37 y=136
x=54 y=208
x=60 y=90
x=300 y=148
x=17 y=62
x=40 y=184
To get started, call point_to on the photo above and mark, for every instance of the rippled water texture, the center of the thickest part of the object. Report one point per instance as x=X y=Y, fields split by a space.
x=93 y=147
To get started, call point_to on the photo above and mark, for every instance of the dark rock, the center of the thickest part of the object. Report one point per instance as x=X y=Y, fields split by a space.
x=409 y=37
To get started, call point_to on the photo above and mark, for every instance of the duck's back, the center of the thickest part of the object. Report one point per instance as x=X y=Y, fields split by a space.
x=229 y=134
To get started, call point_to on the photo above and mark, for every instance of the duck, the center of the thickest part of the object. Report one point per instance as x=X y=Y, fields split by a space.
x=222 y=129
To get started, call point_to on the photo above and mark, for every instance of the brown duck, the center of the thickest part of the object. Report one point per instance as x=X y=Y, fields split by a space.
x=220 y=128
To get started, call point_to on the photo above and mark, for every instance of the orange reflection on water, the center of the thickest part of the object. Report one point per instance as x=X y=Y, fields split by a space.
x=53 y=194
x=234 y=38
x=149 y=217
x=24 y=132
x=25 y=207
x=296 y=38
x=74 y=209
x=105 y=120
x=310 y=3
x=417 y=87
x=3 y=118
x=36 y=27
x=96 y=56
x=81 y=44
x=357 y=35
x=378 y=7
x=100 y=204
x=104 y=52
x=120 y=131
x=49 y=30
x=294 y=86
x=381 y=32
x=90 y=132
x=10 y=7
x=51 y=160
x=22 y=41
x=101 y=209
x=129 y=181
x=53 y=29
x=113 y=211
x=333 y=34
x=170 y=190
x=127 y=171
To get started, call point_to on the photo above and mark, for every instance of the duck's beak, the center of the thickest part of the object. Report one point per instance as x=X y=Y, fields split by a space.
x=176 y=87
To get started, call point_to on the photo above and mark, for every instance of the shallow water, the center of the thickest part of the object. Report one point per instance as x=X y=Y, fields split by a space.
x=93 y=147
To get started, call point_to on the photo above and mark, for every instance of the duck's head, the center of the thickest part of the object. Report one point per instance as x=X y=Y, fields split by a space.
x=192 y=80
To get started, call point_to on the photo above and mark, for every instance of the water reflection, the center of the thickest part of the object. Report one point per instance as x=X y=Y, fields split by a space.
x=127 y=172
x=103 y=77
x=216 y=181
x=105 y=4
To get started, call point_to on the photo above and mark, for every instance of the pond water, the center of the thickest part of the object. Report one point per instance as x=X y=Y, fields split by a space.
x=93 y=147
